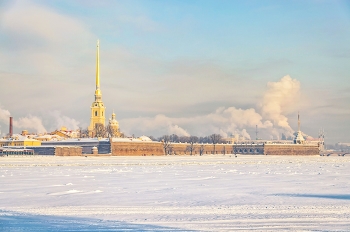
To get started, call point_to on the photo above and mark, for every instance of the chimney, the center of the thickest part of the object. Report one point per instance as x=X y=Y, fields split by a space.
x=11 y=128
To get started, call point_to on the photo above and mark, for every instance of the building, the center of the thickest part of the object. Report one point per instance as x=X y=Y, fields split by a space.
x=97 y=119
x=20 y=141
x=10 y=151
x=113 y=127
x=65 y=133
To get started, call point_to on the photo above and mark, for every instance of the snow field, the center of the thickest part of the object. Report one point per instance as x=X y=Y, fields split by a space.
x=207 y=193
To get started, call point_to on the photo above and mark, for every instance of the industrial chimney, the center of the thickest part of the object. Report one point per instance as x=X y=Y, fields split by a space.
x=11 y=128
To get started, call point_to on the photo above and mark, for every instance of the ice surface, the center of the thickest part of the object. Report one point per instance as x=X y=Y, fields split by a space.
x=174 y=193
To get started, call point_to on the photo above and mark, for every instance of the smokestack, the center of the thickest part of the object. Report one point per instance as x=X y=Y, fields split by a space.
x=11 y=128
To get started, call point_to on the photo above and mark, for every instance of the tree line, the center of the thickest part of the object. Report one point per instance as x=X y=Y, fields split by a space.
x=192 y=141
x=101 y=131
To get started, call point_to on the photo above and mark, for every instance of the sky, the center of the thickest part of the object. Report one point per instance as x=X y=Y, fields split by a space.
x=178 y=67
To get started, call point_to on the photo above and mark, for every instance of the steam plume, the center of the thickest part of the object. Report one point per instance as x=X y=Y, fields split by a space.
x=279 y=99
x=30 y=122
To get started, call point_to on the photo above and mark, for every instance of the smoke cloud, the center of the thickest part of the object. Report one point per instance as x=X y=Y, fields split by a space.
x=278 y=99
x=35 y=124
x=158 y=125
x=29 y=122
x=4 y=115
x=62 y=120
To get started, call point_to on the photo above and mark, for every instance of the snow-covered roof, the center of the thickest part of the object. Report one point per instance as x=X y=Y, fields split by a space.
x=131 y=140
x=145 y=138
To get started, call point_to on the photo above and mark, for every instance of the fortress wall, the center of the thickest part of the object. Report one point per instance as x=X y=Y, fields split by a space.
x=184 y=149
x=119 y=148
x=68 y=151
x=249 y=149
x=123 y=148
x=291 y=149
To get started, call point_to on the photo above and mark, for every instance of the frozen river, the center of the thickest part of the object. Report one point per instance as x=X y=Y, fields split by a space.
x=175 y=193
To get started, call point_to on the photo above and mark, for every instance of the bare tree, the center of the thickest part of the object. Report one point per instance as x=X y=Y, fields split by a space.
x=83 y=133
x=100 y=130
x=191 y=140
x=205 y=139
x=174 y=138
x=215 y=138
x=234 y=149
x=112 y=132
x=166 y=144
x=184 y=139
x=201 y=150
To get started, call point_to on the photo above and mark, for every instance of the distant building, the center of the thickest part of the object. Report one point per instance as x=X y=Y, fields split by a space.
x=113 y=127
x=299 y=138
x=65 y=133
x=19 y=140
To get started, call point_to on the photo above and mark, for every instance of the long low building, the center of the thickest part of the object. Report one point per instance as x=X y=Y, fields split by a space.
x=136 y=147
x=103 y=145
x=145 y=147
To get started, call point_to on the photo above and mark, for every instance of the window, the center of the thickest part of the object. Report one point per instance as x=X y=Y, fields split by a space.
x=102 y=114
x=95 y=113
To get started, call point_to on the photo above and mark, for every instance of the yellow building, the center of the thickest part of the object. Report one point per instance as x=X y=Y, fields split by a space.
x=97 y=108
x=21 y=141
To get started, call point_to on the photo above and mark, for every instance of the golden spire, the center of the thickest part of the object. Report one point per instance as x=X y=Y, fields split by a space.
x=298 y=122
x=98 y=66
x=98 y=91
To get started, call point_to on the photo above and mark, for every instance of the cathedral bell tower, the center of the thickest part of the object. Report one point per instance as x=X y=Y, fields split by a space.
x=97 y=107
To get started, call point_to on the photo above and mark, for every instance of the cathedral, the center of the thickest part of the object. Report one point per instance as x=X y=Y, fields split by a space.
x=97 y=127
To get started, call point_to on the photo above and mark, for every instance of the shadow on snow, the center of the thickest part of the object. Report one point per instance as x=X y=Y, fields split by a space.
x=23 y=222
x=326 y=196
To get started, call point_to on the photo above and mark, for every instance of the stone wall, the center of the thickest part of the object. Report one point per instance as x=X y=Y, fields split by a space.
x=68 y=151
x=123 y=148
x=132 y=148
x=249 y=149
x=184 y=149
x=291 y=149
x=86 y=144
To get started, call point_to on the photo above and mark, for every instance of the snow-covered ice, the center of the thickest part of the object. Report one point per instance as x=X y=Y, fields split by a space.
x=175 y=193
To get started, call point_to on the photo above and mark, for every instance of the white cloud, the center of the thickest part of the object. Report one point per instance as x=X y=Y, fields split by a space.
x=158 y=125
x=27 y=19
x=279 y=98
x=30 y=122
x=41 y=41
x=4 y=115
x=62 y=120
x=225 y=121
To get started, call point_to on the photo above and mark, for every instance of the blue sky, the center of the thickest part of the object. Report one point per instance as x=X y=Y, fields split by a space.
x=183 y=67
